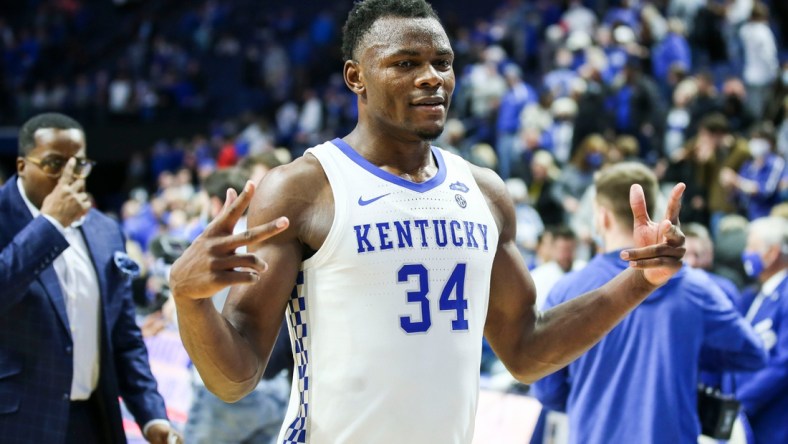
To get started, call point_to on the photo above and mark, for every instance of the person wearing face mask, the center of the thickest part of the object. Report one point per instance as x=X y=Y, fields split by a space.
x=578 y=174
x=764 y=393
x=756 y=184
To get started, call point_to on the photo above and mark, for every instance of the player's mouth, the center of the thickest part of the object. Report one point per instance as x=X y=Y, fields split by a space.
x=431 y=103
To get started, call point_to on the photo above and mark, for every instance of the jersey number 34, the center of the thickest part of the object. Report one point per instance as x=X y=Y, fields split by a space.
x=452 y=297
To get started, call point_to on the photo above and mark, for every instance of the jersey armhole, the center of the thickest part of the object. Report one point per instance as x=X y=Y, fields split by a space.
x=339 y=191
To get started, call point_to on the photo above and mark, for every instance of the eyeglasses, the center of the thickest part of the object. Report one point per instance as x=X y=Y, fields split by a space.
x=53 y=165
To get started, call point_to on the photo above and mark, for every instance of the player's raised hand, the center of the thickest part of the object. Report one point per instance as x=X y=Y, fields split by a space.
x=68 y=201
x=211 y=262
x=659 y=247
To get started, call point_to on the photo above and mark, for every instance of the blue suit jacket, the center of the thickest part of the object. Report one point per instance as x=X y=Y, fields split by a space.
x=36 y=361
x=764 y=393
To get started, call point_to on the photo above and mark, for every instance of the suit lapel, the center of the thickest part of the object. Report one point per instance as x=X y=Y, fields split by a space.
x=98 y=247
x=20 y=218
x=51 y=284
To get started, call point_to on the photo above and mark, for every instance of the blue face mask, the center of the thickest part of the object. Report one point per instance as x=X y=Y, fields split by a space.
x=753 y=264
x=594 y=160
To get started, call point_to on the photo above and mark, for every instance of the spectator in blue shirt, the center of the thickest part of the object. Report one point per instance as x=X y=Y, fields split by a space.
x=559 y=80
x=757 y=182
x=638 y=384
x=517 y=96
x=673 y=50
x=764 y=393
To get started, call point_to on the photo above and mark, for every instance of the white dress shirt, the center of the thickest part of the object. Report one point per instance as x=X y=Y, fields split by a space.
x=79 y=284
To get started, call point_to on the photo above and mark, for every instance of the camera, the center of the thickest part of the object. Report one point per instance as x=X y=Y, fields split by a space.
x=717 y=412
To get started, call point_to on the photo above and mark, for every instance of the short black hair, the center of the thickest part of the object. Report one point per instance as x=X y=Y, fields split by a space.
x=366 y=12
x=27 y=141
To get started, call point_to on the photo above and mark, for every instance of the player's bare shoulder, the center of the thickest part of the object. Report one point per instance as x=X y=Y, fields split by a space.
x=494 y=190
x=299 y=190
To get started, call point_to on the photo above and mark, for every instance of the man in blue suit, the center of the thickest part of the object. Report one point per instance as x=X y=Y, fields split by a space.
x=69 y=344
x=764 y=393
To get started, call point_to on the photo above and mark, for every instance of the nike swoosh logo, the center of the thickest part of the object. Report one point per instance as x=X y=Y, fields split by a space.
x=363 y=202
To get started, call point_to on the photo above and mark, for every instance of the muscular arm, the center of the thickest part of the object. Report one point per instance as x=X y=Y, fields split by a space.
x=533 y=344
x=231 y=350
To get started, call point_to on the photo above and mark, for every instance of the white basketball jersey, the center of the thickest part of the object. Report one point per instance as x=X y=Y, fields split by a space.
x=387 y=317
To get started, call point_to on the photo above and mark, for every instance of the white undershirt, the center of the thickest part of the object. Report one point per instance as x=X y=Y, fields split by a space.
x=79 y=284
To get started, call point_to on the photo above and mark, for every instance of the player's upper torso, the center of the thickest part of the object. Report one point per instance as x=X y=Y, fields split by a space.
x=388 y=315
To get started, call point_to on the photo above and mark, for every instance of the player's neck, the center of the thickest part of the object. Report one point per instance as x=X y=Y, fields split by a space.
x=616 y=240
x=411 y=160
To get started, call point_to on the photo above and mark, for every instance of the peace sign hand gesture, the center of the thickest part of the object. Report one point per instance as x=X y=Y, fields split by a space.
x=211 y=262
x=659 y=246
x=68 y=201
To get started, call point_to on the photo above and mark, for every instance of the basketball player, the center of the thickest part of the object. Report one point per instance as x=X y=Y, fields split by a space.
x=391 y=258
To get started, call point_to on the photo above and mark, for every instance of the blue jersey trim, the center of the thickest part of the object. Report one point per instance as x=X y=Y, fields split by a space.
x=425 y=186
x=297 y=430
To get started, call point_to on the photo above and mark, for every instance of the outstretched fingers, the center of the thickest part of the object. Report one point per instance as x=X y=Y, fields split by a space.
x=657 y=262
x=256 y=234
x=67 y=177
x=672 y=233
x=637 y=201
x=653 y=252
x=246 y=262
x=234 y=207
x=674 y=203
x=237 y=277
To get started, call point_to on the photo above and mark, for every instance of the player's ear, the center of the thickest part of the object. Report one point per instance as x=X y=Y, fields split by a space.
x=606 y=217
x=353 y=77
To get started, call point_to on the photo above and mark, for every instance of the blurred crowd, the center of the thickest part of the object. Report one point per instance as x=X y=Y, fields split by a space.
x=548 y=93
x=139 y=61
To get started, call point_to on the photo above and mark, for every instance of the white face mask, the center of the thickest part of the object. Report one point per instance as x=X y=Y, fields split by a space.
x=759 y=147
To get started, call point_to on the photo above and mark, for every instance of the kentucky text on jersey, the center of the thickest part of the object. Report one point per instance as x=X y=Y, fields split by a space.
x=428 y=233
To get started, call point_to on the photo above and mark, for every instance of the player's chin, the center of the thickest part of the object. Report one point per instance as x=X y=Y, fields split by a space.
x=430 y=133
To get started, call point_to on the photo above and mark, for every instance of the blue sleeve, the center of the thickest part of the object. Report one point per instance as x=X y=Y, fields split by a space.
x=768 y=186
x=729 y=342
x=685 y=54
x=21 y=261
x=553 y=390
x=771 y=382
